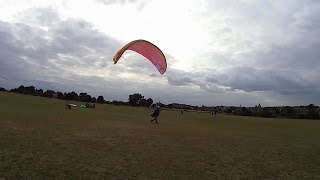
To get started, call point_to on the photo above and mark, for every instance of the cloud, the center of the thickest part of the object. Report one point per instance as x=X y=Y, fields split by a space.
x=178 y=77
x=252 y=79
x=267 y=46
x=201 y=79
x=240 y=51
x=247 y=79
x=42 y=17
x=70 y=55
x=140 y=4
x=67 y=47
x=116 y=1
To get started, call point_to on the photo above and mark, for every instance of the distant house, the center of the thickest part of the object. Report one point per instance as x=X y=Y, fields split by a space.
x=179 y=106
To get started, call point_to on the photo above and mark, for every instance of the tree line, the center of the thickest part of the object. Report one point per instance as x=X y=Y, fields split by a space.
x=310 y=111
x=133 y=100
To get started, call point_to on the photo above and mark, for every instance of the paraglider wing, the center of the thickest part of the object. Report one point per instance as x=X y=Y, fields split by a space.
x=148 y=50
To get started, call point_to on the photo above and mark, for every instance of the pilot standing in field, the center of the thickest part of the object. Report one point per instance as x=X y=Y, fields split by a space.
x=155 y=114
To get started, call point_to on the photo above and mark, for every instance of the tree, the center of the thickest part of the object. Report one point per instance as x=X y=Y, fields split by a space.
x=72 y=96
x=100 y=100
x=311 y=107
x=30 y=90
x=115 y=102
x=2 y=89
x=312 y=112
x=83 y=97
x=20 y=89
x=49 y=93
x=39 y=92
x=134 y=99
x=88 y=98
x=15 y=90
x=149 y=102
x=143 y=102
x=60 y=95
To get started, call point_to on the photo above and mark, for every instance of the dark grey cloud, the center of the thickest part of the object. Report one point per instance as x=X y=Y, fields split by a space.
x=179 y=77
x=253 y=79
x=281 y=81
x=291 y=84
x=31 y=52
x=205 y=80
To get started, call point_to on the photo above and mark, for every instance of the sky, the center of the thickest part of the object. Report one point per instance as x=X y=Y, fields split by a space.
x=226 y=52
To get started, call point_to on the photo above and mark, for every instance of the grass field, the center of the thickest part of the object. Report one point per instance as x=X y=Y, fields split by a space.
x=41 y=140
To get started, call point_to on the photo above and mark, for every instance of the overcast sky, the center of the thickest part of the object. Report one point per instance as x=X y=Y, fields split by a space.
x=218 y=52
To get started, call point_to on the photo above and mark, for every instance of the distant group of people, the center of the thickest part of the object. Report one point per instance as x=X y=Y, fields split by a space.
x=68 y=105
x=156 y=112
x=90 y=105
x=215 y=113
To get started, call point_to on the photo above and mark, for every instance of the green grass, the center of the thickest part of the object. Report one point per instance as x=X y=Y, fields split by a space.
x=41 y=140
